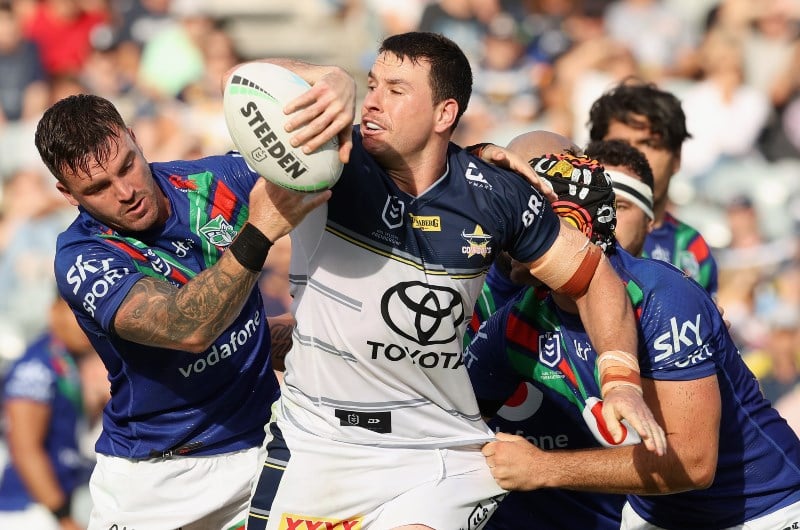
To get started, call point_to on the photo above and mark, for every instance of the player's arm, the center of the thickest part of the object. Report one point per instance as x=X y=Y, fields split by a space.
x=326 y=110
x=28 y=422
x=280 y=329
x=690 y=413
x=505 y=158
x=575 y=267
x=190 y=318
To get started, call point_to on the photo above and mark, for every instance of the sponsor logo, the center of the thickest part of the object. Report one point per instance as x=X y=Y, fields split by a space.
x=425 y=359
x=534 y=209
x=478 y=242
x=218 y=232
x=481 y=513
x=380 y=422
x=582 y=349
x=697 y=357
x=236 y=339
x=685 y=334
x=393 y=212
x=182 y=248
x=427 y=314
x=82 y=269
x=549 y=349
x=475 y=177
x=661 y=254
x=426 y=223
x=271 y=147
x=290 y=521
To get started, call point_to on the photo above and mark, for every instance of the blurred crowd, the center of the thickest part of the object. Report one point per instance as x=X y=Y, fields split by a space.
x=538 y=64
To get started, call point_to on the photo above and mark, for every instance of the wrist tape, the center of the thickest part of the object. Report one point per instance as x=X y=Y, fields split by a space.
x=250 y=248
x=618 y=368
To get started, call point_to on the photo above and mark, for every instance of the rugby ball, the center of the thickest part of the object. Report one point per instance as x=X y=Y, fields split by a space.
x=253 y=101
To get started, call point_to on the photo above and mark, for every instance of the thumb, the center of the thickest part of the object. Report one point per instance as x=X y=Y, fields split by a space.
x=615 y=427
x=345 y=144
x=505 y=437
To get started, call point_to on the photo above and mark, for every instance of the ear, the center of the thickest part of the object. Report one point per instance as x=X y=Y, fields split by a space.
x=66 y=193
x=446 y=113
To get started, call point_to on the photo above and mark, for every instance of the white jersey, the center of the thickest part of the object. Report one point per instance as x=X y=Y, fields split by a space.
x=384 y=286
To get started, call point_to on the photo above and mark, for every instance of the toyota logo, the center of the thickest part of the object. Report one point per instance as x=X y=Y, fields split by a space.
x=417 y=311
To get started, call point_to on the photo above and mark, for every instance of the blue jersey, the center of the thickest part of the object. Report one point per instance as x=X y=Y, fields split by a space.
x=678 y=243
x=542 y=357
x=166 y=400
x=47 y=374
x=384 y=285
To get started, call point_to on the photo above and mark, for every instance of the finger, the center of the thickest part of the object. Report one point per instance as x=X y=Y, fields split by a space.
x=615 y=428
x=345 y=145
x=505 y=437
x=488 y=449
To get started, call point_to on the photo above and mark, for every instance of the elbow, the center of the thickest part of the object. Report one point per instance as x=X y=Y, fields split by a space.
x=703 y=475
x=197 y=343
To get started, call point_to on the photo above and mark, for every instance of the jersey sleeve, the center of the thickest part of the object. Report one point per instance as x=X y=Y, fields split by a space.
x=94 y=277
x=30 y=379
x=493 y=378
x=534 y=224
x=679 y=330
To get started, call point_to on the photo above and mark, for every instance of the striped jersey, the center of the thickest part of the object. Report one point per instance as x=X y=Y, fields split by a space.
x=384 y=285
x=165 y=400
x=538 y=362
x=678 y=243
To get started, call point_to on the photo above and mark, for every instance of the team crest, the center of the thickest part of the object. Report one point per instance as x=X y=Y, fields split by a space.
x=218 y=232
x=549 y=349
x=477 y=242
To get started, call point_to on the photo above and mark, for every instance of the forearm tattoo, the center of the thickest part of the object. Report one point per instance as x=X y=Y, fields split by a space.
x=281 y=333
x=157 y=313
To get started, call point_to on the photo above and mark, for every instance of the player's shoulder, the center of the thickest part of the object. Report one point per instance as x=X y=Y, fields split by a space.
x=485 y=178
x=654 y=276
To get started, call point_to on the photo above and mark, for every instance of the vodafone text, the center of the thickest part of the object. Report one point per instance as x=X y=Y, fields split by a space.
x=226 y=349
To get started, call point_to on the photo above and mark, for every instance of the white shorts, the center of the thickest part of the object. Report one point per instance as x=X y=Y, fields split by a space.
x=191 y=493
x=358 y=487
x=787 y=517
x=34 y=516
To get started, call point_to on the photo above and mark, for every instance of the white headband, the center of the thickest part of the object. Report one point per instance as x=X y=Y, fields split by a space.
x=634 y=190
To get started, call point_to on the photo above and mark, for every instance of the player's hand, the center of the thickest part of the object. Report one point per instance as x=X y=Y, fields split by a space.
x=513 y=461
x=504 y=158
x=68 y=523
x=326 y=110
x=626 y=402
x=275 y=210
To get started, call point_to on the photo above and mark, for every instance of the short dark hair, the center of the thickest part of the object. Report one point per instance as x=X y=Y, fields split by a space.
x=450 y=75
x=622 y=154
x=631 y=97
x=73 y=134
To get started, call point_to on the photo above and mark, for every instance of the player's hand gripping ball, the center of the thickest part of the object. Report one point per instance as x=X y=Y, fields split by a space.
x=253 y=101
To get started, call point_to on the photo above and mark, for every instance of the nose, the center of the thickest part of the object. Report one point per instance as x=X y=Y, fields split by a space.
x=371 y=100
x=123 y=190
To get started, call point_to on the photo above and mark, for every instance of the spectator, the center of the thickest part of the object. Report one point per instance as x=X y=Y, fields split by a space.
x=44 y=415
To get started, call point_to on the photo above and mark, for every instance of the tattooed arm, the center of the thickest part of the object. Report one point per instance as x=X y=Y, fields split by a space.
x=191 y=318
x=157 y=313
x=280 y=328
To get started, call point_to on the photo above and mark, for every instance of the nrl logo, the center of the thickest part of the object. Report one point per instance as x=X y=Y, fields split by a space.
x=218 y=232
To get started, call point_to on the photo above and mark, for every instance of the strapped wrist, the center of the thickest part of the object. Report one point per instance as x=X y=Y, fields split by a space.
x=618 y=368
x=250 y=248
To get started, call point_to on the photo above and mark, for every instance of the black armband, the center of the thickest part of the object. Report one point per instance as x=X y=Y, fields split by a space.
x=63 y=510
x=477 y=149
x=250 y=248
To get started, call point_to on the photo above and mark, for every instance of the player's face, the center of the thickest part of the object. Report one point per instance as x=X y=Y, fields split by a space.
x=398 y=117
x=662 y=161
x=632 y=226
x=119 y=192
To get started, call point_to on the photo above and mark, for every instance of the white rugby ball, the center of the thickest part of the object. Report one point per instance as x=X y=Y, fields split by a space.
x=253 y=101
